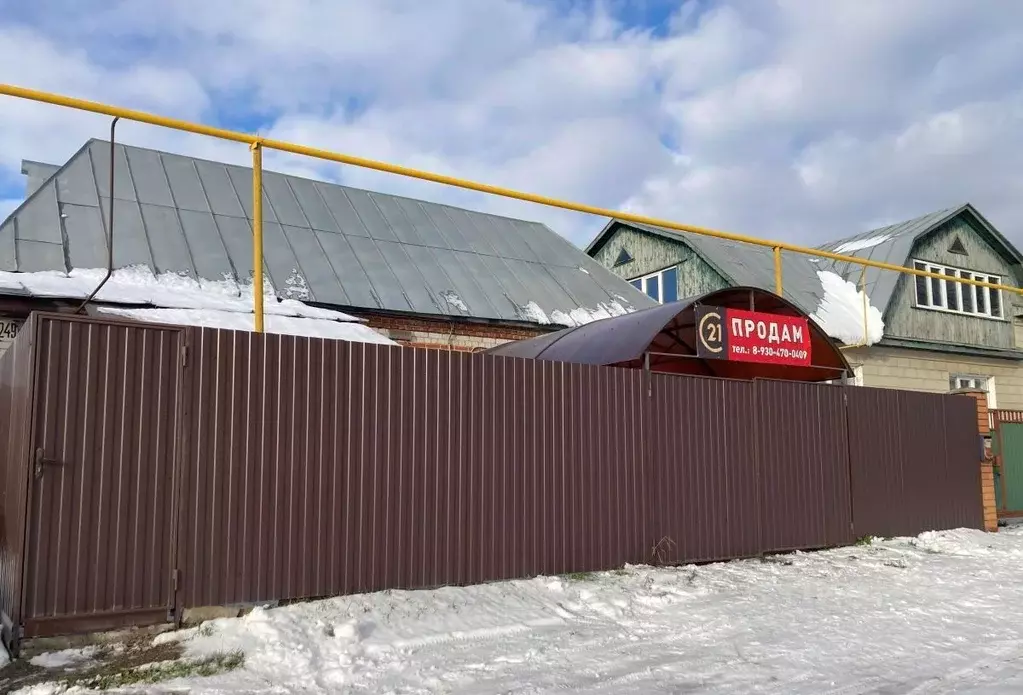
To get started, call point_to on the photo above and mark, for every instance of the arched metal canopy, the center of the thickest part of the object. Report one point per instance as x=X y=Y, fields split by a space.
x=665 y=338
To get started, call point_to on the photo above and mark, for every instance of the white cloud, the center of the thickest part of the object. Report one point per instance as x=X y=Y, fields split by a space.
x=7 y=206
x=793 y=119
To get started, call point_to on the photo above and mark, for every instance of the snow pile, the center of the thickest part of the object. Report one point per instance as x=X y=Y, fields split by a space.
x=65 y=658
x=971 y=543
x=284 y=325
x=905 y=615
x=840 y=312
x=860 y=244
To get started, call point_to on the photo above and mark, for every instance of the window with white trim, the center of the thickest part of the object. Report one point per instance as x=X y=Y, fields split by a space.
x=972 y=381
x=949 y=295
x=661 y=286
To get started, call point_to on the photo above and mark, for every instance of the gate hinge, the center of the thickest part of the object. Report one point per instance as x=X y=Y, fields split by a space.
x=175 y=573
x=184 y=355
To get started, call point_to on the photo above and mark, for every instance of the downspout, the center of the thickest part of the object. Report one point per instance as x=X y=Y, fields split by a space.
x=110 y=224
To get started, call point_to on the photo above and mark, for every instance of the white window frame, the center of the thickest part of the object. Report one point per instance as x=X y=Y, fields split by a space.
x=941 y=302
x=660 y=282
x=975 y=381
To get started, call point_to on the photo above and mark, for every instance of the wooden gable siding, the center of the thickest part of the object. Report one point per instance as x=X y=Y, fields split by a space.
x=651 y=253
x=904 y=319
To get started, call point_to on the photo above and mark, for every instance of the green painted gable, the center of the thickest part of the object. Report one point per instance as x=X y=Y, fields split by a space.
x=650 y=253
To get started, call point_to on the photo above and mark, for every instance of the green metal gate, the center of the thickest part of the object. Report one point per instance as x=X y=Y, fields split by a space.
x=1007 y=444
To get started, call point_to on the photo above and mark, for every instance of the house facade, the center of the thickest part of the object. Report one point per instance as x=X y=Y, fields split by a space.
x=420 y=273
x=938 y=335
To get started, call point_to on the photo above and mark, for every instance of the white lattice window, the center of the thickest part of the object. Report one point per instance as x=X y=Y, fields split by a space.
x=949 y=295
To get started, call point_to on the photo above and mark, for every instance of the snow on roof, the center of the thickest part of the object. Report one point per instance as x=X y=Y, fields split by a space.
x=138 y=285
x=573 y=317
x=840 y=312
x=336 y=246
x=274 y=323
x=185 y=301
x=860 y=244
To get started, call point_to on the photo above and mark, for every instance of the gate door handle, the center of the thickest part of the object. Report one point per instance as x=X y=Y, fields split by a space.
x=41 y=461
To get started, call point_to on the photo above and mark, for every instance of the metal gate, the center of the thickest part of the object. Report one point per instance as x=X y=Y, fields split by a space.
x=103 y=472
x=1007 y=444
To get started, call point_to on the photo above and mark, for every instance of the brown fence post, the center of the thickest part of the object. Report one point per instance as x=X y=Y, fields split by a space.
x=987 y=470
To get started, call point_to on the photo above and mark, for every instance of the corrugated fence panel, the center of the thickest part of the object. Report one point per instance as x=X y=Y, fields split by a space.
x=704 y=488
x=921 y=421
x=101 y=512
x=359 y=467
x=914 y=462
x=962 y=506
x=876 y=445
x=15 y=434
x=805 y=466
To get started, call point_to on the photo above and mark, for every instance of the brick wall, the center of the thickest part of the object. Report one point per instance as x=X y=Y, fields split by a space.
x=922 y=370
x=987 y=469
x=987 y=487
x=443 y=335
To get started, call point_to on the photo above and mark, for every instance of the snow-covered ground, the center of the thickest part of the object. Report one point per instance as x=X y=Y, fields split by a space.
x=935 y=614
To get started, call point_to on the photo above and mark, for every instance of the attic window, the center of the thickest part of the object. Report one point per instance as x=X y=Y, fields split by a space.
x=949 y=295
x=623 y=258
x=957 y=247
x=661 y=286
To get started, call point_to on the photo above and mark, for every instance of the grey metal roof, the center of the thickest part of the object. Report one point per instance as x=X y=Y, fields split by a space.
x=323 y=242
x=892 y=244
x=752 y=266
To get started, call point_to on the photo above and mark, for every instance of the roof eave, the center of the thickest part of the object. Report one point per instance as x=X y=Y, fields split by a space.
x=953 y=348
x=602 y=237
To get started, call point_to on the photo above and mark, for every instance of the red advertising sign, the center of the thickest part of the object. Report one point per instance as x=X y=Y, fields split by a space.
x=752 y=336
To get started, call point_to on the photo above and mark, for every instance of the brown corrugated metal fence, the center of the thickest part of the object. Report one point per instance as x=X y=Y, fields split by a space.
x=246 y=468
x=803 y=446
x=101 y=513
x=705 y=475
x=16 y=395
x=914 y=462
x=320 y=467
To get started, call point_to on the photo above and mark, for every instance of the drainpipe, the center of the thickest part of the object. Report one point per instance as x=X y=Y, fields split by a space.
x=110 y=225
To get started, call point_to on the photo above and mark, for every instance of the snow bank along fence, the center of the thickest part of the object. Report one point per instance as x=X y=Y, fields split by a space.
x=150 y=469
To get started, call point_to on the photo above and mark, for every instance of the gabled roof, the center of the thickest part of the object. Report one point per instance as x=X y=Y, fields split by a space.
x=746 y=264
x=894 y=244
x=323 y=242
x=738 y=263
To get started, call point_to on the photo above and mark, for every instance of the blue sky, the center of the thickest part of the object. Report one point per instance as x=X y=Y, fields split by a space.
x=793 y=119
